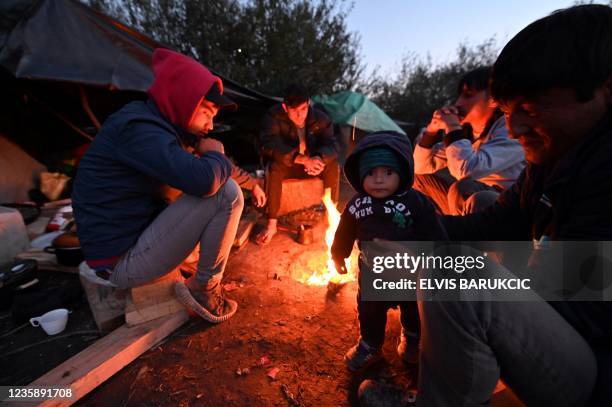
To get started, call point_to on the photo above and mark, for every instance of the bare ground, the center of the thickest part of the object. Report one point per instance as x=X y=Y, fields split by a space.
x=302 y=330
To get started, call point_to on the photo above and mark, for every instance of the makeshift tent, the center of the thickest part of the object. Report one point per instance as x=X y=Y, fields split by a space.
x=64 y=40
x=63 y=61
x=356 y=110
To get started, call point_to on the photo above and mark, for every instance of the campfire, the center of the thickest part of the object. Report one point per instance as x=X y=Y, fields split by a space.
x=325 y=273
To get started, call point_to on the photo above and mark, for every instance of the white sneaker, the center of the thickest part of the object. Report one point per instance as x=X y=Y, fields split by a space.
x=90 y=275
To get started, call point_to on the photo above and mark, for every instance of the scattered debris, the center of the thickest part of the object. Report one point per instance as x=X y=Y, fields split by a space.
x=264 y=360
x=276 y=277
x=293 y=401
x=243 y=371
x=273 y=372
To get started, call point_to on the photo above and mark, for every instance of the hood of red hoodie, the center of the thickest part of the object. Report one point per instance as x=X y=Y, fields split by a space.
x=180 y=84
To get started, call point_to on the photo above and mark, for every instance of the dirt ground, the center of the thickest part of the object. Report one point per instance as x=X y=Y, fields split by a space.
x=301 y=332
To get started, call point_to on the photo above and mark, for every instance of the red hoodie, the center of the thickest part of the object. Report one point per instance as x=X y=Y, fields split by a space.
x=180 y=84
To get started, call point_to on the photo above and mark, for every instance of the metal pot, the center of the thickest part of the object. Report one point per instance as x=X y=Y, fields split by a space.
x=67 y=249
x=305 y=234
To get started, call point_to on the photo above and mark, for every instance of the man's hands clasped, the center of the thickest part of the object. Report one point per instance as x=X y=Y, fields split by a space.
x=446 y=119
x=313 y=165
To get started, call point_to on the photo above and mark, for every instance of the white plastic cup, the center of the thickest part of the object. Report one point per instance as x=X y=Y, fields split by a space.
x=53 y=322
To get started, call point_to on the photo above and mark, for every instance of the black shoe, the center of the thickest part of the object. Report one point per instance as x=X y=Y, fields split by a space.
x=362 y=356
x=408 y=348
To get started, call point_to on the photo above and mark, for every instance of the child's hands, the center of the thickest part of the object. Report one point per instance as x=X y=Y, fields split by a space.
x=340 y=266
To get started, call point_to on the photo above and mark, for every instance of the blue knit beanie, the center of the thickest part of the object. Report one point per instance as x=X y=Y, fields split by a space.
x=379 y=157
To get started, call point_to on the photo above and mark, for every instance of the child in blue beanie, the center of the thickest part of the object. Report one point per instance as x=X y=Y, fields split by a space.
x=385 y=207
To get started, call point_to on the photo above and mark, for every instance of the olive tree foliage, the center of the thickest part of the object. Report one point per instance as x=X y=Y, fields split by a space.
x=263 y=44
x=420 y=86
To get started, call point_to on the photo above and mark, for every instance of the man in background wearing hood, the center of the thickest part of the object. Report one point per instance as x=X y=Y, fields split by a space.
x=128 y=234
x=469 y=139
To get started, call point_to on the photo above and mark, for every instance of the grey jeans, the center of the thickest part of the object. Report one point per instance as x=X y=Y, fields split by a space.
x=466 y=346
x=172 y=236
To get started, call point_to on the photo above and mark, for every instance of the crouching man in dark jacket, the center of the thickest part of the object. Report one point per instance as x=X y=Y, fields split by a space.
x=128 y=234
x=553 y=81
x=299 y=141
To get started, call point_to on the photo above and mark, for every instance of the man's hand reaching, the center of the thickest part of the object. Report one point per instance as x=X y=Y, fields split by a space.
x=259 y=196
x=340 y=266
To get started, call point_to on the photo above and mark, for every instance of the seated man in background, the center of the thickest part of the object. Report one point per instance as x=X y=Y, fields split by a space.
x=470 y=139
x=299 y=141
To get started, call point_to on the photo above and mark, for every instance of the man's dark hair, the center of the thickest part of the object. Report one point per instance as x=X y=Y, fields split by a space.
x=295 y=95
x=476 y=79
x=571 y=48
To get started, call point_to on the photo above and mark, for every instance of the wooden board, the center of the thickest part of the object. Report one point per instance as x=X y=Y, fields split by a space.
x=94 y=365
x=300 y=194
x=157 y=291
x=107 y=304
x=137 y=315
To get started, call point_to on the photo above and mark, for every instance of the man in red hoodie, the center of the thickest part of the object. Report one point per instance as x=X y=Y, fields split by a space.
x=128 y=234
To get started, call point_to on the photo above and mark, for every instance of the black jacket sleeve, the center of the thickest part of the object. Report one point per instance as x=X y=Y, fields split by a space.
x=272 y=145
x=429 y=224
x=345 y=236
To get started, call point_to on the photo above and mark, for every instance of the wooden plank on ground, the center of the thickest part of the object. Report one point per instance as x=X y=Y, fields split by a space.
x=94 y=365
x=135 y=315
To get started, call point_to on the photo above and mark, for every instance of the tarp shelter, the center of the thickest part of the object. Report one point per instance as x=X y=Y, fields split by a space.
x=356 y=110
x=64 y=60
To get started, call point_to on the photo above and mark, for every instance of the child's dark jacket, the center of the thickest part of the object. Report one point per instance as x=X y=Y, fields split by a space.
x=406 y=215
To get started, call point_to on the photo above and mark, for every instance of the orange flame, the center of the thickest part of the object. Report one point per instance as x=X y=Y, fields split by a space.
x=323 y=277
